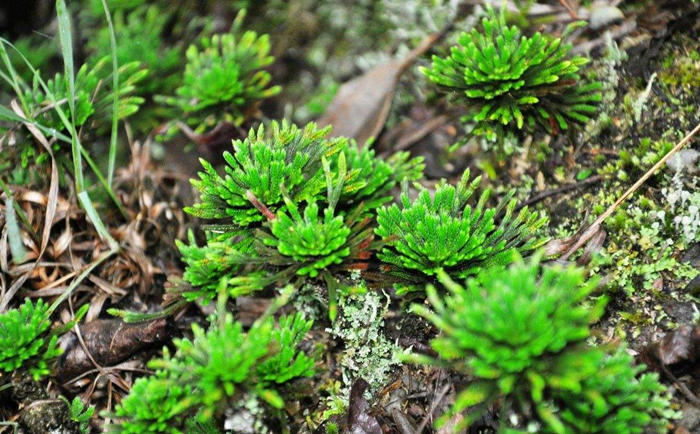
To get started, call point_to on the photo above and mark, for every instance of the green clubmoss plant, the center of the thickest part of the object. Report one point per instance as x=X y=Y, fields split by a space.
x=224 y=77
x=25 y=341
x=512 y=80
x=139 y=36
x=444 y=233
x=519 y=334
x=155 y=404
x=281 y=223
x=281 y=156
x=285 y=158
x=93 y=95
x=213 y=370
x=220 y=259
x=619 y=398
x=284 y=246
x=80 y=414
x=318 y=241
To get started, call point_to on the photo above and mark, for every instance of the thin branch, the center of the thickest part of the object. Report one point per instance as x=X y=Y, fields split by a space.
x=563 y=189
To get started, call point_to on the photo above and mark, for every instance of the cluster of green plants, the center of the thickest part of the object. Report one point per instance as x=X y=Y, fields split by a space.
x=444 y=233
x=510 y=80
x=130 y=66
x=272 y=194
x=294 y=206
x=278 y=182
x=78 y=109
x=25 y=339
x=519 y=334
x=216 y=369
x=224 y=78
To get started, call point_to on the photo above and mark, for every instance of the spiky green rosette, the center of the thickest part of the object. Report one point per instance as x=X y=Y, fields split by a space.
x=213 y=370
x=261 y=166
x=93 y=96
x=620 y=398
x=283 y=157
x=224 y=78
x=309 y=240
x=206 y=266
x=445 y=233
x=23 y=339
x=519 y=334
x=511 y=79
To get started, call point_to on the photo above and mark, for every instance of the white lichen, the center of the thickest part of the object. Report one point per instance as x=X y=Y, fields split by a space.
x=368 y=354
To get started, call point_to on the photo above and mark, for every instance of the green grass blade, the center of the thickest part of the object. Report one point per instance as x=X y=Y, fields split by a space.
x=115 y=96
x=14 y=79
x=65 y=38
x=66 y=41
x=91 y=212
x=9 y=115
x=13 y=233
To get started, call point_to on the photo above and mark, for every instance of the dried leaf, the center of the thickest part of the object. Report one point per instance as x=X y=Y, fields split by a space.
x=594 y=246
x=108 y=341
x=359 y=419
x=361 y=107
x=14 y=233
x=681 y=345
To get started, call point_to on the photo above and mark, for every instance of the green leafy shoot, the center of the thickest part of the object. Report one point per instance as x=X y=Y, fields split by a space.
x=518 y=332
x=288 y=244
x=288 y=362
x=260 y=167
x=88 y=100
x=620 y=398
x=224 y=77
x=510 y=79
x=282 y=225
x=284 y=157
x=213 y=370
x=320 y=242
x=220 y=259
x=25 y=341
x=445 y=233
x=80 y=414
